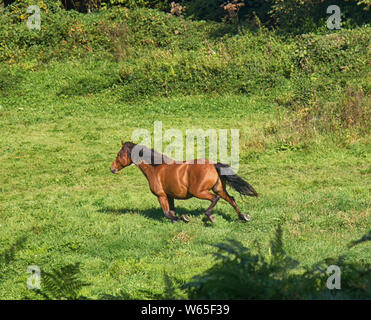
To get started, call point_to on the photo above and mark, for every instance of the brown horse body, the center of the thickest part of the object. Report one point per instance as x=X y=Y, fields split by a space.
x=170 y=179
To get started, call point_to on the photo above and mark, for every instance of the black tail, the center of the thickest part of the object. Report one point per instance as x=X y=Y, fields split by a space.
x=227 y=175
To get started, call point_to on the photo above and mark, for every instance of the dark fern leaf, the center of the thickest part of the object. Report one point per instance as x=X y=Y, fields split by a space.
x=280 y=261
x=63 y=283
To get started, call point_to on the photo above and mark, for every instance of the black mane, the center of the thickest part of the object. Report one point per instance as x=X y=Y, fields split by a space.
x=154 y=155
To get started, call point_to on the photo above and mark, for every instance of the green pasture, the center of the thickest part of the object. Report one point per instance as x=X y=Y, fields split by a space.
x=70 y=93
x=58 y=193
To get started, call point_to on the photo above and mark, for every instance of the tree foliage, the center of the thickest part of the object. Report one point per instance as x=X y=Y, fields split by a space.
x=290 y=15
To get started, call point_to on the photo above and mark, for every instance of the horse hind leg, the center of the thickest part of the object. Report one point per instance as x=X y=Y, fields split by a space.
x=207 y=195
x=220 y=190
x=172 y=207
x=212 y=205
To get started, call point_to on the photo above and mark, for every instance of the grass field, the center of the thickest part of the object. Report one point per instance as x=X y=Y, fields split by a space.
x=58 y=192
x=72 y=91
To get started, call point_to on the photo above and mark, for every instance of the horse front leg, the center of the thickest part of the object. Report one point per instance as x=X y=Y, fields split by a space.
x=165 y=205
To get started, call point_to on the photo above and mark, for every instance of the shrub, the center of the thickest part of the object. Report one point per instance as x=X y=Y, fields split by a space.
x=305 y=16
x=351 y=111
x=237 y=274
x=240 y=274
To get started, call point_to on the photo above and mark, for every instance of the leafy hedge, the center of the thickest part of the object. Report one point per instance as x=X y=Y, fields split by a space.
x=241 y=274
x=296 y=16
x=145 y=53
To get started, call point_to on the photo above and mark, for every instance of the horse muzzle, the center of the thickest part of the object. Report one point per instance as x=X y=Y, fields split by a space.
x=113 y=170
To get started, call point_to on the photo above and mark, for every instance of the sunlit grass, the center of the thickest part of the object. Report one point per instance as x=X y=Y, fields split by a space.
x=58 y=192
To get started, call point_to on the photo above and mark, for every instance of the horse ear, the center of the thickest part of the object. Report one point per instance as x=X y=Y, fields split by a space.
x=122 y=143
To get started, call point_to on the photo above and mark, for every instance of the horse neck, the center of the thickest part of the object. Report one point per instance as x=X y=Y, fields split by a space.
x=147 y=170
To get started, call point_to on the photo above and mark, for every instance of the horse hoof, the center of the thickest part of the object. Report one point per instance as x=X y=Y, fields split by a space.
x=211 y=218
x=245 y=217
x=185 y=218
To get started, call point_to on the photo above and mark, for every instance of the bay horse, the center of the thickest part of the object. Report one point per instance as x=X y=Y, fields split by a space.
x=169 y=179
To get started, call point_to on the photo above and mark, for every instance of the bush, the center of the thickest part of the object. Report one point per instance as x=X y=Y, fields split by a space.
x=300 y=16
x=240 y=274
x=235 y=66
x=351 y=112
x=148 y=53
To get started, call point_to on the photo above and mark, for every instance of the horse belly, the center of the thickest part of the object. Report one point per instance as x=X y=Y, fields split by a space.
x=177 y=191
x=202 y=177
x=176 y=183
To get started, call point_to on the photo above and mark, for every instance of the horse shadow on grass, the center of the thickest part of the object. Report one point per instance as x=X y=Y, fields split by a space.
x=157 y=214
